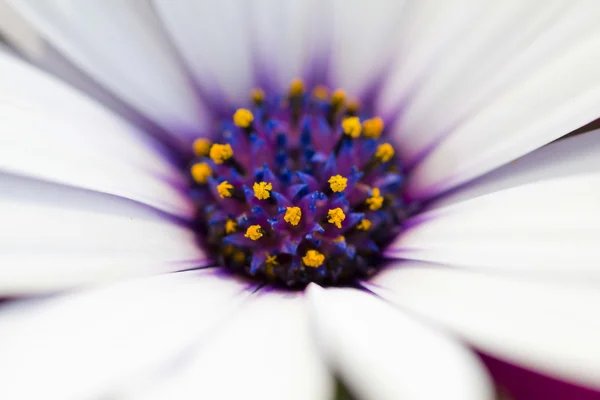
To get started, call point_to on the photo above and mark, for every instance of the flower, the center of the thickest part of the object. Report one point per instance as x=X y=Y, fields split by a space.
x=97 y=211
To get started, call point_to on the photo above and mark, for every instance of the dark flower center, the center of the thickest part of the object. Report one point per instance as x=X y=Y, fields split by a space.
x=299 y=188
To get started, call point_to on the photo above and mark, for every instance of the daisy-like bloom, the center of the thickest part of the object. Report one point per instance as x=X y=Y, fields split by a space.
x=239 y=199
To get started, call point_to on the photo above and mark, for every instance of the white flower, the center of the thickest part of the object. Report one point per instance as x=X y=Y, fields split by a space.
x=93 y=209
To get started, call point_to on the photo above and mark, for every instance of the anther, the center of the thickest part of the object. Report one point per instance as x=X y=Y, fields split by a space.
x=201 y=147
x=201 y=172
x=271 y=261
x=375 y=202
x=292 y=215
x=225 y=189
x=296 y=88
x=337 y=183
x=337 y=98
x=243 y=118
x=313 y=259
x=320 y=92
x=254 y=232
x=220 y=153
x=257 y=95
x=351 y=127
x=352 y=107
x=336 y=216
x=230 y=226
x=364 y=225
x=262 y=190
x=373 y=127
x=384 y=152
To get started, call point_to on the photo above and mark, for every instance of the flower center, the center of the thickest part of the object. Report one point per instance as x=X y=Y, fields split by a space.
x=299 y=188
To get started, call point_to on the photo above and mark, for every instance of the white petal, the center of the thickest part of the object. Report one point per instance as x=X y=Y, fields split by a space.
x=51 y=132
x=550 y=328
x=365 y=40
x=52 y=237
x=551 y=227
x=17 y=31
x=381 y=353
x=571 y=156
x=121 y=45
x=264 y=352
x=86 y=345
x=546 y=90
x=289 y=37
x=213 y=38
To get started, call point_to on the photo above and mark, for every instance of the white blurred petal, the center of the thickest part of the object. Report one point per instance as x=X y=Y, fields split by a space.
x=290 y=37
x=550 y=227
x=550 y=328
x=86 y=345
x=17 y=31
x=543 y=87
x=213 y=38
x=572 y=156
x=264 y=351
x=52 y=239
x=382 y=353
x=122 y=46
x=51 y=132
x=365 y=39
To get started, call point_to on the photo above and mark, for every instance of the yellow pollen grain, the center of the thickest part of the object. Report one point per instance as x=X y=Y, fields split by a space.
x=201 y=172
x=364 y=225
x=384 y=152
x=336 y=216
x=254 y=232
x=320 y=92
x=292 y=215
x=262 y=190
x=375 y=201
x=271 y=261
x=313 y=259
x=373 y=127
x=296 y=87
x=257 y=95
x=338 y=97
x=338 y=183
x=230 y=226
x=243 y=117
x=351 y=126
x=220 y=153
x=339 y=239
x=201 y=147
x=239 y=257
x=224 y=188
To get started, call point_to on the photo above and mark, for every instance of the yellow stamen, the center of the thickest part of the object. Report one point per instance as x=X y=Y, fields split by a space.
x=243 y=117
x=254 y=232
x=313 y=259
x=336 y=216
x=257 y=95
x=338 y=97
x=220 y=153
x=375 y=201
x=239 y=257
x=364 y=225
x=352 y=106
x=293 y=215
x=296 y=87
x=373 y=127
x=262 y=190
x=201 y=172
x=201 y=147
x=384 y=152
x=338 y=183
x=351 y=127
x=224 y=189
x=320 y=92
x=230 y=226
x=339 y=239
x=271 y=260
x=228 y=250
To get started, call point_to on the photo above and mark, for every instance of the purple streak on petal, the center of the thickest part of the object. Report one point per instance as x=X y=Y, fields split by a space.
x=524 y=384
